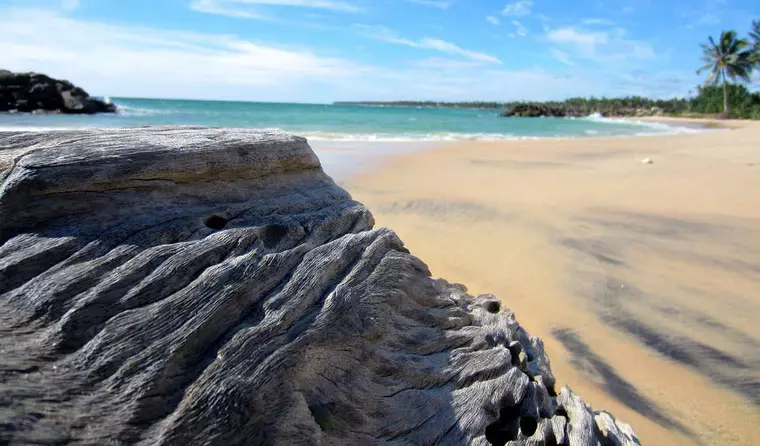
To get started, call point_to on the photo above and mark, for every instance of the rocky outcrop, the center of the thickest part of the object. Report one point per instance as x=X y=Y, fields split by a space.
x=559 y=110
x=34 y=92
x=533 y=111
x=209 y=286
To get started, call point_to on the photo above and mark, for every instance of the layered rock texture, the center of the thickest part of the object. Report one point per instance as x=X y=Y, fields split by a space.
x=38 y=93
x=209 y=286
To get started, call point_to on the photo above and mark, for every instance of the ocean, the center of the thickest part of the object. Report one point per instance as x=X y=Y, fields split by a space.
x=341 y=122
x=365 y=133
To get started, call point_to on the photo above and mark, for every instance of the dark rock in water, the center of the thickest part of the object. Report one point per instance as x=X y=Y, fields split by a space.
x=562 y=110
x=209 y=286
x=528 y=110
x=28 y=92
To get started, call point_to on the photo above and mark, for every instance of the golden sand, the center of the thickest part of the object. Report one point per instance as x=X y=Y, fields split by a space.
x=642 y=279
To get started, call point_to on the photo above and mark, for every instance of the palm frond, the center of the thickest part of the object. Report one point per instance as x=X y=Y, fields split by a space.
x=738 y=45
x=755 y=33
x=706 y=67
x=740 y=71
x=727 y=39
x=713 y=78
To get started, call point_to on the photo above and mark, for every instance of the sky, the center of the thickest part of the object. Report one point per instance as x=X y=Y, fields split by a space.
x=320 y=51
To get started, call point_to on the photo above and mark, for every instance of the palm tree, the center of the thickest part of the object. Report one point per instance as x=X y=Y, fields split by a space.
x=755 y=35
x=727 y=59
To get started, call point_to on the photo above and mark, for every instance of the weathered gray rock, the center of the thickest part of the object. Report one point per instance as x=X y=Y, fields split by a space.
x=208 y=286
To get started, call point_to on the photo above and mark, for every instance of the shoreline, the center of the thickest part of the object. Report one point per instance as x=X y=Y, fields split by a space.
x=705 y=123
x=615 y=264
x=344 y=160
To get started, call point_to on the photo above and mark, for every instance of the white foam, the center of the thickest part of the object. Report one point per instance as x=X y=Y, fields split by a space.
x=413 y=137
x=129 y=111
x=24 y=128
x=655 y=128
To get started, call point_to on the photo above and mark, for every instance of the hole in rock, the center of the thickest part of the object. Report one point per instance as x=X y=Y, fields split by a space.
x=492 y=306
x=322 y=414
x=215 y=222
x=528 y=426
x=272 y=235
x=506 y=428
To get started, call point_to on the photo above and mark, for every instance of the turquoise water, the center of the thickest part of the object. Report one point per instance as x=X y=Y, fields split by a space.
x=340 y=122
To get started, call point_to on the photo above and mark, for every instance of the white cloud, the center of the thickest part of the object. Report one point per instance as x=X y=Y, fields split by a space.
x=445 y=64
x=493 y=20
x=706 y=19
x=518 y=8
x=386 y=35
x=586 y=41
x=70 y=5
x=597 y=21
x=466 y=84
x=562 y=57
x=440 y=4
x=222 y=8
x=488 y=85
x=601 y=46
x=448 y=47
x=140 y=61
x=521 y=29
x=248 y=8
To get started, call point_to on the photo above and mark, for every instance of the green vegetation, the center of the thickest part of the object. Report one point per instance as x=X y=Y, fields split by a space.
x=729 y=58
x=711 y=100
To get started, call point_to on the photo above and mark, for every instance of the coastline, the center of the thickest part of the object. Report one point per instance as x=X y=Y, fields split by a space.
x=328 y=124
x=641 y=279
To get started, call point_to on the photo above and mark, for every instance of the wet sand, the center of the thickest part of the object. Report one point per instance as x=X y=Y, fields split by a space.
x=643 y=280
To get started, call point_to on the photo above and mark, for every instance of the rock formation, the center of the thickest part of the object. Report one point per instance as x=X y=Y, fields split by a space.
x=536 y=110
x=210 y=286
x=34 y=92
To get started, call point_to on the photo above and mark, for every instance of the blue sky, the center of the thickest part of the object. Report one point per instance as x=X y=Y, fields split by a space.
x=328 y=50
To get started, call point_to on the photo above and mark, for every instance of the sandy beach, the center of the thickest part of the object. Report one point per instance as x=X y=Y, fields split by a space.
x=642 y=279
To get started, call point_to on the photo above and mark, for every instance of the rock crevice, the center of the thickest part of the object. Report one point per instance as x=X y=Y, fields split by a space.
x=243 y=299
